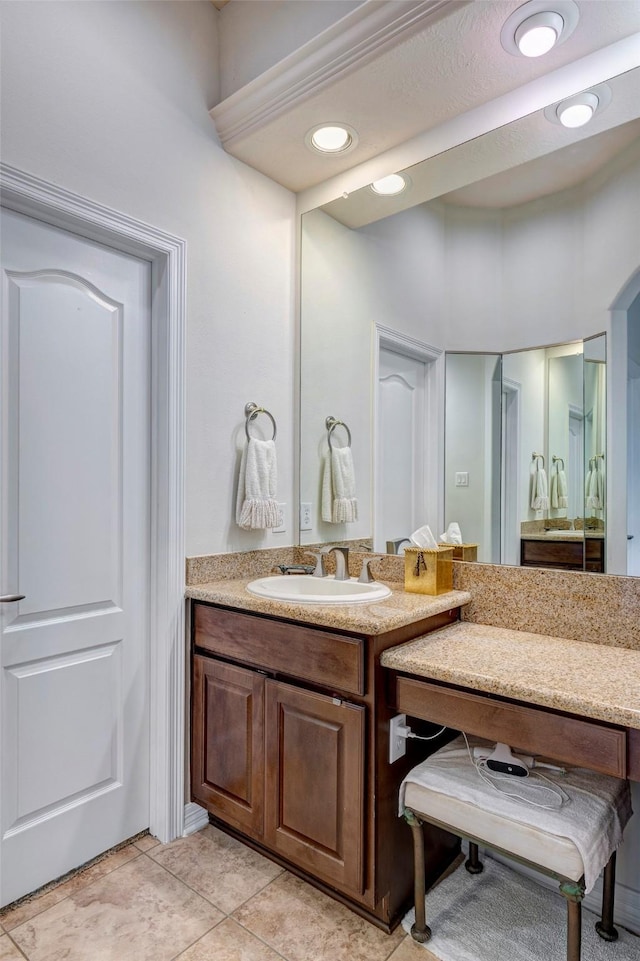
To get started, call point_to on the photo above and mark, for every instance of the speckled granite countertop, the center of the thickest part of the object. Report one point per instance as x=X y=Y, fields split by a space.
x=395 y=611
x=564 y=536
x=592 y=680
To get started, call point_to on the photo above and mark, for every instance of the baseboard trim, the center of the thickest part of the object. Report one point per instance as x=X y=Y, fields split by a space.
x=195 y=818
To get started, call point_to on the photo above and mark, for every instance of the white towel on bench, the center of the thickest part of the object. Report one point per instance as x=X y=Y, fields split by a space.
x=599 y=806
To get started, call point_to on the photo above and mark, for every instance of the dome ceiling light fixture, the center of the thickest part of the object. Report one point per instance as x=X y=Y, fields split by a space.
x=331 y=138
x=390 y=186
x=538 y=26
x=579 y=110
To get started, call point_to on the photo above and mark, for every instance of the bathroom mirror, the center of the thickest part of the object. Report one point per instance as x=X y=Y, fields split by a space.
x=525 y=453
x=496 y=259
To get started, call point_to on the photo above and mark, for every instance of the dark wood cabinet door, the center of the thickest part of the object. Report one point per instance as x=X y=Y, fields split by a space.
x=227 y=763
x=315 y=783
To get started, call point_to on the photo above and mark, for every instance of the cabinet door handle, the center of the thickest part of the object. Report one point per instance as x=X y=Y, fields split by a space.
x=10 y=598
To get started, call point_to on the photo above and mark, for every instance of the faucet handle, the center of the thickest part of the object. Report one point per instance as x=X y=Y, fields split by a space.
x=320 y=569
x=366 y=577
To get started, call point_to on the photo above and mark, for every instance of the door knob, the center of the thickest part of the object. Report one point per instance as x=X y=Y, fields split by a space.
x=9 y=598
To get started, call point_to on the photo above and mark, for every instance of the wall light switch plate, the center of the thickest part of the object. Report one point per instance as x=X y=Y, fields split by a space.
x=462 y=478
x=305 y=517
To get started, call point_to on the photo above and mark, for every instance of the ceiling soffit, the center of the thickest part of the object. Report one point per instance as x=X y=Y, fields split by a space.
x=393 y=70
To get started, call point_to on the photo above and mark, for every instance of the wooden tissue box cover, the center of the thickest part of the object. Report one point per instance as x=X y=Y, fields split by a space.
x=428 y=571
x=463 y=552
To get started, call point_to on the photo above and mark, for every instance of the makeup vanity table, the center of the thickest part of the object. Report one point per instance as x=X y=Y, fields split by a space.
x=573 y=701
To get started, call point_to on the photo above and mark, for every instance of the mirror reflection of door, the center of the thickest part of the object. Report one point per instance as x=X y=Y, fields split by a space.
x=400 y=508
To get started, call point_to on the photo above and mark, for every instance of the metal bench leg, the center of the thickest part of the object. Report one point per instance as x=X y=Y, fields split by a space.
x=420 y=931
x=605 y=927
x=473 y=864
x=574 y=893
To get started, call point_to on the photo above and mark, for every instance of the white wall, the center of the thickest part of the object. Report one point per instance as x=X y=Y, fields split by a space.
x=256 y=34
x=110 y=100
x=390 y=273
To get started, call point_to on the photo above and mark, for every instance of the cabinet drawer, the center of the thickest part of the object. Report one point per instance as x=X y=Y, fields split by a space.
x=334 y=661
x=531 y=729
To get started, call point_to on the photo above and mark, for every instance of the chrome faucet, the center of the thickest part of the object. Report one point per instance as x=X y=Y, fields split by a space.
x=342 y=562
x=319 y=570
x=393 y=547
x=366 y=577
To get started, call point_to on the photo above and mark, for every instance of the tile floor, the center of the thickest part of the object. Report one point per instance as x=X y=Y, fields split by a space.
x=202 y=898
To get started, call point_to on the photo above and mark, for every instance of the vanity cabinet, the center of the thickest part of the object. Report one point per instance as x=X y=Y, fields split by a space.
x=290 y=753
x=571 y=555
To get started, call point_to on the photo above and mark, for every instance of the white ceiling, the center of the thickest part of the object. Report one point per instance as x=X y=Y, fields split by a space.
x=429 y=62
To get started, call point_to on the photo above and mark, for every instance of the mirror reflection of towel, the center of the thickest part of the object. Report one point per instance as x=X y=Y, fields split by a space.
x=559 y=496
x=339 y=503
x=594 y=489
x=539 y=490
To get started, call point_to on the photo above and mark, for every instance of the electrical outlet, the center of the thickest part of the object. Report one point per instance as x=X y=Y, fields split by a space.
x=282 y=527
x=305 y=517
x=397 y=743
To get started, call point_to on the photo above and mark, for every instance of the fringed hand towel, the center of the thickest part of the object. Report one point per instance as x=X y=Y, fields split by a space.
x=256 y=505
x=539 y=490
x=594 y=489
x=559 y=498
x=339 y=502
x=563 y=495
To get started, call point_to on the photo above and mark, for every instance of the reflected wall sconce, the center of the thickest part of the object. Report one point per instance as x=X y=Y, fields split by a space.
x=579 y=110
x=538 y=26
x=331 y=138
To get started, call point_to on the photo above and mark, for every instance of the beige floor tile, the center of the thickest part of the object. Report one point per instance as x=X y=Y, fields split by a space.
x=229 y=942
x=8 y=950
x=303 y=924
x=139 y=912
x=11 y=917
x=218 y=867
x=409 y=950
x=146 y=843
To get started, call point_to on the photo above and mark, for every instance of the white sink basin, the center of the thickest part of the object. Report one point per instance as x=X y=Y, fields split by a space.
x=564 y=535
x=306 y=589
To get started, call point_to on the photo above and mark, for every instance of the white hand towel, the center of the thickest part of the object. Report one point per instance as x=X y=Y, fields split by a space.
x=553 y=496
x=563 y=496
x=594 y=489
x=339 y=502
x=539 y=490
x=256 y=505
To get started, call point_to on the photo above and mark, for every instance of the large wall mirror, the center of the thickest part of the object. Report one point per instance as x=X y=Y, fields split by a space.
x=496 y=253
x=525 y=454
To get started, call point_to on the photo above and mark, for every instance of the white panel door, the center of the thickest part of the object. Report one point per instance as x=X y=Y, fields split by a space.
x=401 y=447
x=75 y=381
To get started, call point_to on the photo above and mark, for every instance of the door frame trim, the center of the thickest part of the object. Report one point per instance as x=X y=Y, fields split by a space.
x=44 y=201
x=433 y=359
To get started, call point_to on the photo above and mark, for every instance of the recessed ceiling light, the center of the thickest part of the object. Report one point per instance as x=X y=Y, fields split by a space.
x=331 y=138
x=539 y=25
x=539 y=34
x=390 y=186
x=578 y=110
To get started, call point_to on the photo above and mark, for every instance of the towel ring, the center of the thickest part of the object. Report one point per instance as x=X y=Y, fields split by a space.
x=331 y=424
x=535 y=456
x=251 y=411
x=558 y=460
